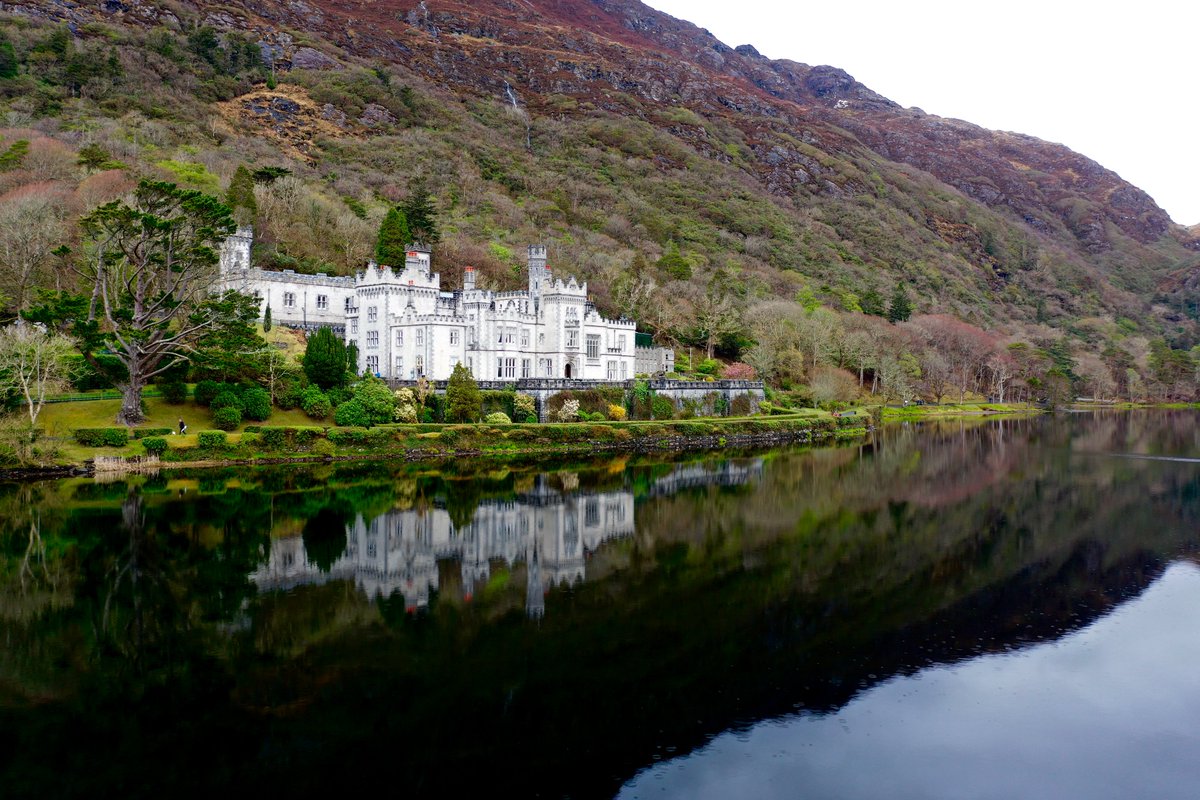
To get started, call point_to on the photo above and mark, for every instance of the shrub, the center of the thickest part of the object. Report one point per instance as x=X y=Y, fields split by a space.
x=497 y=418
x=569 y=411
x=740 y=406
x=406 y=406
x=315 y=403
x=102 y=437
x=155 y=445
x=212 y=440
x=352 y=414
x=174 y=392
x=227 y=398
x=616 y=413
x=325 y=359
x=661 y=407
x=257 y=404
x=738 y=371
x=376 y=399
x=289 y=396
x=206 y=392
x=463 y=400
x=142 y=433
x=708 y=366
x=524 y=407
x=227 y=418
x=274 y=438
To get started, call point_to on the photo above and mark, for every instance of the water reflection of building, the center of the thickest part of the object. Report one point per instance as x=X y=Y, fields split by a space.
x=548 y=530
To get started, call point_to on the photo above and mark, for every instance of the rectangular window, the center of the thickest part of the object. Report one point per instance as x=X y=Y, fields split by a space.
x=525 y=367
x=372 y=313
x=354 y=326
x=624 y=370
x=593 y=345
x=453 y=337
x=372 y=340
x=420 y=366
x=373 y=365
x=322 y=301
x=420 y=337
x=349 y=303
x=510 y=368
x=400 y=337
x=289 y=299
x=621 y=343
x=572 y=340
x=524 y=338
x=399 y=367
x=612 y=370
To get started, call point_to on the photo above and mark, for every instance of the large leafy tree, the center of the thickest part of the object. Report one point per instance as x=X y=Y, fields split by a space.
x=394 y=236
x=230 y=349
x=325 y=359
x=150 y=265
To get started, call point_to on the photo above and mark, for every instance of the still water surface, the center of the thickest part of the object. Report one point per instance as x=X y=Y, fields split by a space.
x=979 y=609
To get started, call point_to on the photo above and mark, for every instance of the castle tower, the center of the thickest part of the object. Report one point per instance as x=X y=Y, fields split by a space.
x=235 y=252
x=469 y=279
x=538 y=273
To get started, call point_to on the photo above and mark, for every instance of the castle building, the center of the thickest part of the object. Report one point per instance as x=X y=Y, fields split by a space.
x=406 y=326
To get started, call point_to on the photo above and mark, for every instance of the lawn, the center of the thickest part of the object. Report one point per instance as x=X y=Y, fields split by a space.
x=58 y=420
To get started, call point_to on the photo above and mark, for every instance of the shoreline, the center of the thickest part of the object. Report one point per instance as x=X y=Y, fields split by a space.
x=403 y=443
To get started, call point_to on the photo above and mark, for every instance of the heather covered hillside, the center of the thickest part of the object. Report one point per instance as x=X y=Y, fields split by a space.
x=725 y=201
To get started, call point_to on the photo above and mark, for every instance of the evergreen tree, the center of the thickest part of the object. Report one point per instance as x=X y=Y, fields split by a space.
x=673 y=263
x=872 y=303
x=267 y=320
x=464 y=403
x=8 y=58
x=421 y=215
x=241 y=195
x=230 y=349
x=901 y=307
x=325 y=359
x=352 y=358
x=394 y=236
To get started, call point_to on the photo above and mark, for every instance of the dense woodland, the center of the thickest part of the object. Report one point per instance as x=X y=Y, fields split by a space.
x=828 y=299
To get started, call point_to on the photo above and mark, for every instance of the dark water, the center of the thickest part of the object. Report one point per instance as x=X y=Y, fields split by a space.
x=984 y=609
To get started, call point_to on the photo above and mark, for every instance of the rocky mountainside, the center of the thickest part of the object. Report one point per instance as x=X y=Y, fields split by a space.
x=617 y=117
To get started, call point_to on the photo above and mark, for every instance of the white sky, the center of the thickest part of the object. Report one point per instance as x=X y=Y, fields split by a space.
x=1115 y=81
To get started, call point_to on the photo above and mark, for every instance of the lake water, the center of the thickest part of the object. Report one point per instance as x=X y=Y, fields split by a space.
x=981 y=609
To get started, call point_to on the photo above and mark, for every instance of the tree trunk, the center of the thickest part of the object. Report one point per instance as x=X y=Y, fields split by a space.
x=131 y=403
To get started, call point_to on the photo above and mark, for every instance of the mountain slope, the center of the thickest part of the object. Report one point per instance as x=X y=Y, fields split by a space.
x=615 y=130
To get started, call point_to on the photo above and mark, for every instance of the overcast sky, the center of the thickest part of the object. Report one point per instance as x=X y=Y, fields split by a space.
x=1116 y=81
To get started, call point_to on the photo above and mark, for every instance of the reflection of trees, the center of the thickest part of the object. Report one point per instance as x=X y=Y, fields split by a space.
x=325 y=536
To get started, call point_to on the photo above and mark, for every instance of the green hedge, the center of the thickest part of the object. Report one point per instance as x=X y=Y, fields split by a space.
x=142 y=433
x=212 y=440
x=102 y=437
x=155 y=445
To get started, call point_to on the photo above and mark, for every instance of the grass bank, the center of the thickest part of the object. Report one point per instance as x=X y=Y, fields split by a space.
x=297 y=443
x=951 y=410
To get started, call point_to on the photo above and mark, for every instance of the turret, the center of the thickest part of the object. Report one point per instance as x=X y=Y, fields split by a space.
x=235 y=251
x=469 y=279
x=538 y=272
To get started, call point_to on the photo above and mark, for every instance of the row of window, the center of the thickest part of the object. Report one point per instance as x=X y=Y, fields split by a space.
x=289 y=301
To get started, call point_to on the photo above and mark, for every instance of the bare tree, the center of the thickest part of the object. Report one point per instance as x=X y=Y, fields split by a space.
x=31 y=225
x=33 y=362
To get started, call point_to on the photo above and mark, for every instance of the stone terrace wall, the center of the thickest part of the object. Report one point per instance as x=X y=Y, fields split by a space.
x=541 y=389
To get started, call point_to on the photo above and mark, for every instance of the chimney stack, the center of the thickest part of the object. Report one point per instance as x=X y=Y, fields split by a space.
x=469 y=279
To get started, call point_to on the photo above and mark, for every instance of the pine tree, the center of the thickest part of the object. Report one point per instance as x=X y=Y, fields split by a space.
x=267 y=320
x=673 y=263
x=394 y=236
x=8 y=58
x=872 y=303
x=464 y=403
x=240 y=196
x=325 y=359
x=421 y=215
x=901 y=307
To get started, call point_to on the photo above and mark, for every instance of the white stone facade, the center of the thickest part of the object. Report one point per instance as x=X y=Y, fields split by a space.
x=405 y=326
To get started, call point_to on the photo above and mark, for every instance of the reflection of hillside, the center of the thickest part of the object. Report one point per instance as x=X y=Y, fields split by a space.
x=550 y=530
